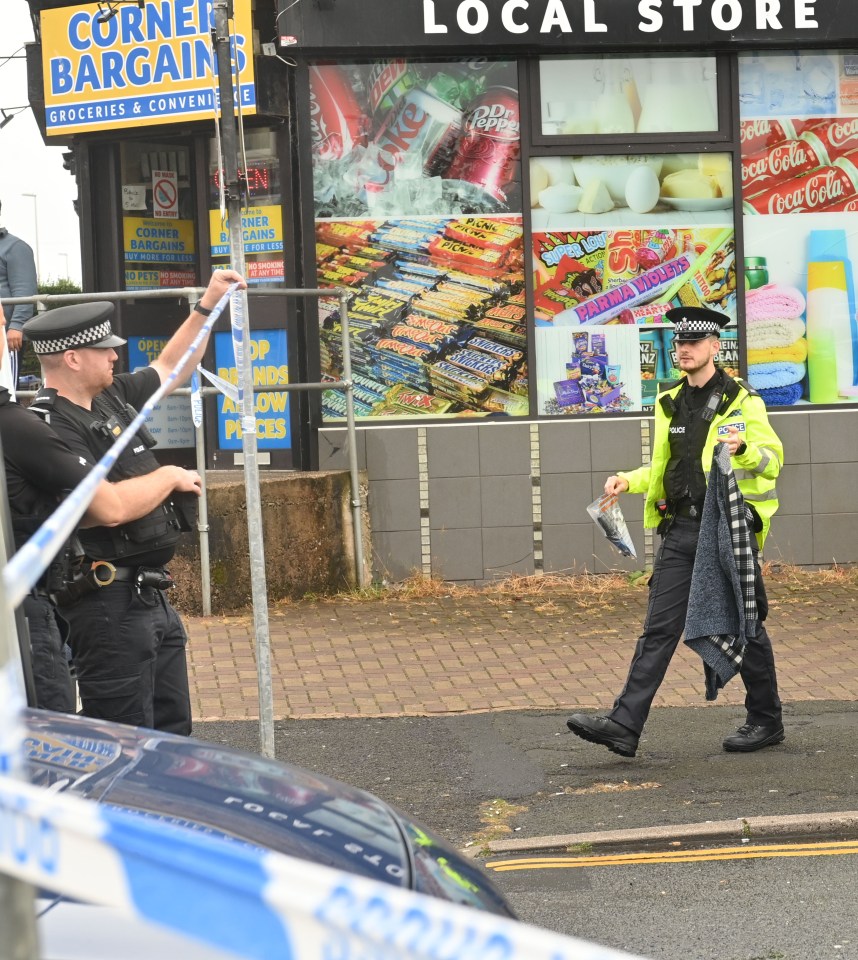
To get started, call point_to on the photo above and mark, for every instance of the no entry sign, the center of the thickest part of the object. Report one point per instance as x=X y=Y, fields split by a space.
x=165 y=194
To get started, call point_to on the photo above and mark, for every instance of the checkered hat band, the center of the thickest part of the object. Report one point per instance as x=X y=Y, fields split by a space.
x=696 y=326
x=80 y=339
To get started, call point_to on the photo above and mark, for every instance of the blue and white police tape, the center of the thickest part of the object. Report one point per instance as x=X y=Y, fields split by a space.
x=11 y=728
x=27 y=565
x=240 y=898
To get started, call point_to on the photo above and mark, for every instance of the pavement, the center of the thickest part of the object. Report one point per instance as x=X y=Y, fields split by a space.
x=523 y=656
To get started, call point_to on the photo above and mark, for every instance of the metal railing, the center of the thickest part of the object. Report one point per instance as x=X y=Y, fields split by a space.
x=345 y=385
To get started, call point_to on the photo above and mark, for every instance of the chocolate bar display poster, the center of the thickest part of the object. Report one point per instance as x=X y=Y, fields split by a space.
x=799 y=135
x=417 y=184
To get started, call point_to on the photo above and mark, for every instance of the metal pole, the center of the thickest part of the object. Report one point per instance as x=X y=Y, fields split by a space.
x=17 y=904
x=203 y=511
x=35 y=200
x=354 y=477
x=256 y=547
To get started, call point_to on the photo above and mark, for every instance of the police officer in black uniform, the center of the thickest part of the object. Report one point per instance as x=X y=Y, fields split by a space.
x=127 y=640
x=40 y=471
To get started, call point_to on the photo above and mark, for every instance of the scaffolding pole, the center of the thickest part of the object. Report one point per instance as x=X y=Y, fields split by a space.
x=256 y=546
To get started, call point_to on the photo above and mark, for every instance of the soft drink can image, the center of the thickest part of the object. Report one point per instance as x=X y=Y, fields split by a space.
x=487 y=156
x=420 y=124
x=388 y=81
x=337 y=122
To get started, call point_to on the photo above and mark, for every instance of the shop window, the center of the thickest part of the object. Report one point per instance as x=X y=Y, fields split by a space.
x=617 y=241
x=799 y=133
x=592 y=96
x=157 y=216
x=261 y=215
x=417 y=188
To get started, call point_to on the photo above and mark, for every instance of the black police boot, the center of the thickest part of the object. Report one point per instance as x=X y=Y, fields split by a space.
x=754 y=736
x=605 y=731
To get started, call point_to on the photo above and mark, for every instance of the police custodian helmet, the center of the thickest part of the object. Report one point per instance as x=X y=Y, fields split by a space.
x=72 y=327
x=695 y=323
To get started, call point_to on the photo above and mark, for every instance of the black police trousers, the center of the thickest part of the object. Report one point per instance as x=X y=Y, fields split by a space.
x=51 y=674
x=665 y=621
x=128 y=646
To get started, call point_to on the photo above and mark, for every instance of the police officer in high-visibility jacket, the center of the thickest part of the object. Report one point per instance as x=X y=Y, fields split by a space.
x=704 y=407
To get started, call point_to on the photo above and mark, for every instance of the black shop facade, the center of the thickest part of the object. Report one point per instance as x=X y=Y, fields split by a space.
x=514 y=194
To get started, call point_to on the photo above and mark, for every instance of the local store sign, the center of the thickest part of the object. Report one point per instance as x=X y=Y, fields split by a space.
x=550 y=16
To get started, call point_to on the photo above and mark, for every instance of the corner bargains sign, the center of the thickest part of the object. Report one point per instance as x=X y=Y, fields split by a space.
x=146 y=65
x=561 y=25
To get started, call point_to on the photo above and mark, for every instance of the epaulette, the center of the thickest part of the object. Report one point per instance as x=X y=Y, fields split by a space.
x=746 y=386
x=665 y=387
x=43 y=402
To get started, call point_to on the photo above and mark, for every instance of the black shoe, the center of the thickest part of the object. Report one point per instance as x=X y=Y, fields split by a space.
x=754 y=736
x=603 y=730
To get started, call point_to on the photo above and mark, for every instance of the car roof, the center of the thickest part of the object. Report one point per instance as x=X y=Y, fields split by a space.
x=241 y=797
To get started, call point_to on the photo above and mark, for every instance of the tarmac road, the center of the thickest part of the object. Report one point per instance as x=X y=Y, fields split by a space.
x=451 y=771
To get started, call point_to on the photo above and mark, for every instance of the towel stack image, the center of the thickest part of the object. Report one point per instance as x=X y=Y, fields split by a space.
x=777 y=347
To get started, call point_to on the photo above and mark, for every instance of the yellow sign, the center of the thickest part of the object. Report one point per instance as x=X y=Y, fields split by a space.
x=155 y=241
x=261 y=228
x=145 y=65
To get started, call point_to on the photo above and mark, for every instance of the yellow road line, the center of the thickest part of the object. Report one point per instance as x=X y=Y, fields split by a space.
x=677 y=856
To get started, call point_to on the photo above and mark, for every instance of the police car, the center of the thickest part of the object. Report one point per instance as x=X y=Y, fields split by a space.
x=237 y=796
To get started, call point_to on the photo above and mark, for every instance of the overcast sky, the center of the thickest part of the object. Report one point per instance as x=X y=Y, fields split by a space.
x=27 y=166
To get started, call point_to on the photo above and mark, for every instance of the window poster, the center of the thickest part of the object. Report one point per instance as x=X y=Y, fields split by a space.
x=417 y=186
x=799 y=130
x=617 y=241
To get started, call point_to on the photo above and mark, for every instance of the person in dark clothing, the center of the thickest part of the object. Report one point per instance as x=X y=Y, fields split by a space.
x=40 y=471
x=127 y=640
x=17 y=279
x=692 y=415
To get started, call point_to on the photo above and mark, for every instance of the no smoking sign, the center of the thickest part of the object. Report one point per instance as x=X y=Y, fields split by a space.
x=165 y=195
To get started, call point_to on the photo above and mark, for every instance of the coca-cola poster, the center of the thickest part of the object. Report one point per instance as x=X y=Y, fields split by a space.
x=396 y=138
x=799 y=140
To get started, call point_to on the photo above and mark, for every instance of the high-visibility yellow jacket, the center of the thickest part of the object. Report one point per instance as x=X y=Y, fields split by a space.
x=756 y=469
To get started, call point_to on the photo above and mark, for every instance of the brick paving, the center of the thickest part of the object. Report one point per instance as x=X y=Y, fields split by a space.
x=467 y=653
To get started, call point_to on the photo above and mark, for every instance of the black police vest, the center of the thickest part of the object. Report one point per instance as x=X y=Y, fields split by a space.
x=30 y=508
x=151 y=539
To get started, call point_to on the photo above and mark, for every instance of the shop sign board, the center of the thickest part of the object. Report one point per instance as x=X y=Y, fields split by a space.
x=270 y=363
x=562 y=25
x=261 y=228
x=146 y=65
x=170 y=423
x=148 y=240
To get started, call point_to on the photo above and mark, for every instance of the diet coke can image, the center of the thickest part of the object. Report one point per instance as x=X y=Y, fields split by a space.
x=337 y=123
x=487 y=156
x=419 y=125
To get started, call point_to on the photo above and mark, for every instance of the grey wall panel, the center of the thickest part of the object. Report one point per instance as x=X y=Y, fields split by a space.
x=568 y=547
x=794 y=489
x=565 y=497
x=508 y=551
x=333 y=449
x=565 y=447
x=504 y=449
x=834 y=436
x=834 y=488
x=455 y=502
x=507 y=502
x=790 y=540
x=794 y=432
x=615 y=445
x=391 y=454
x=395 y=555
x=394 y=505
x=458 y=554
x=453 y=453
x=835 y=538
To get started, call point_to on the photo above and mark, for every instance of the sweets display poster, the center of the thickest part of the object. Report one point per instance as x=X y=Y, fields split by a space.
x=436 y=313
x=799 y=136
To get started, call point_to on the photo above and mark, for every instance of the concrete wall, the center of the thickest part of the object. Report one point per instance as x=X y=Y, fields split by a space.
x=476 y=501
x=307 y=532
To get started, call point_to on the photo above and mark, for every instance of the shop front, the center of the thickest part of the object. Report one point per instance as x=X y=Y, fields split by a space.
x=515 y=193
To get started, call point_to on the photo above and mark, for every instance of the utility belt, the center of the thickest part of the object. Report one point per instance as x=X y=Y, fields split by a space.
x=670 y=511
x=103 y=573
